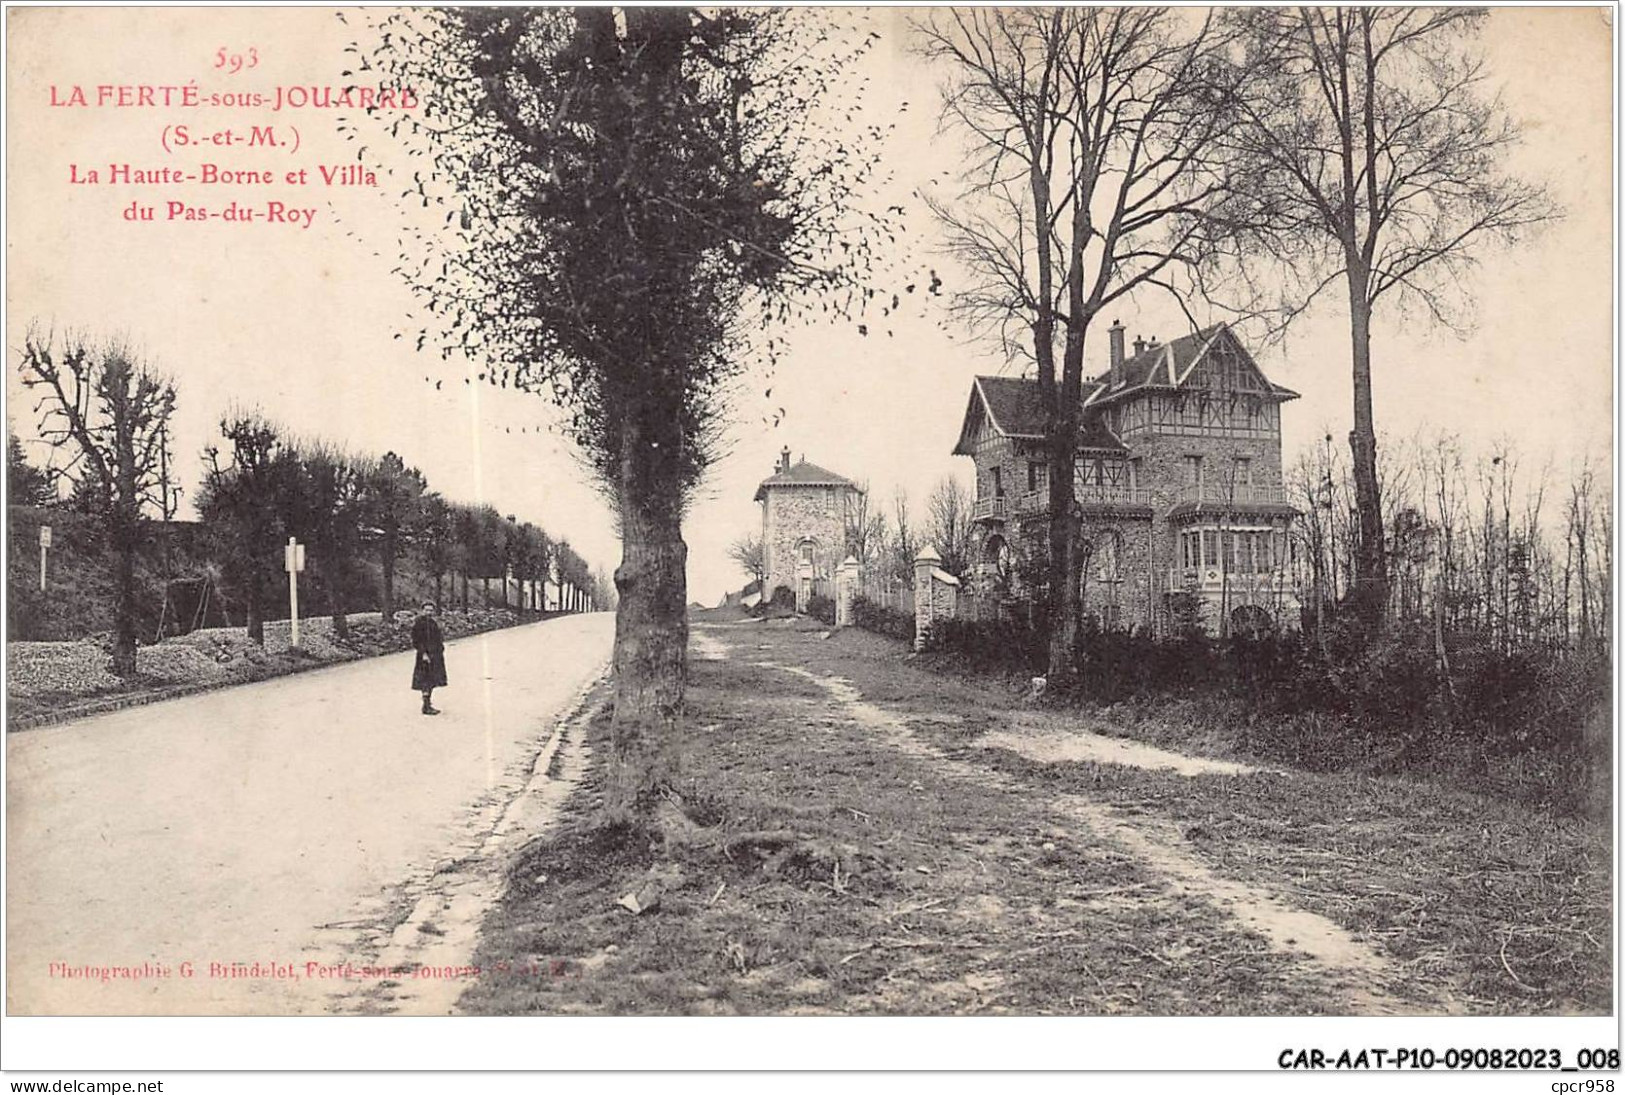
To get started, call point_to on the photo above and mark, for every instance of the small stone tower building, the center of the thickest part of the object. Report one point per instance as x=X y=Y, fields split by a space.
x=804 y=518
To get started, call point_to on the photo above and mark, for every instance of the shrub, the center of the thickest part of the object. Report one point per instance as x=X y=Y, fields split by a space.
x=821 y=608
x=1006 y=646
x=1520 y=723
x=882 y=620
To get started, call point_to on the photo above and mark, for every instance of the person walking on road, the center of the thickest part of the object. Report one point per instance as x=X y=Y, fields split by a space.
x=429 y=671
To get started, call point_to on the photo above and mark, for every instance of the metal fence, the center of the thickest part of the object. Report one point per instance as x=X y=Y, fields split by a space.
x=888 y=592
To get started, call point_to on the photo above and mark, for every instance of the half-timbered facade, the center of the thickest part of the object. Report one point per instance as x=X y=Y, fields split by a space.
x=1177 y=477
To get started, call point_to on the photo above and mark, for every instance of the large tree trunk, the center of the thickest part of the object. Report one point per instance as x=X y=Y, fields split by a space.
x=651 y=630
x=1066 y=607
x=1063 y=543
x=1370 y=600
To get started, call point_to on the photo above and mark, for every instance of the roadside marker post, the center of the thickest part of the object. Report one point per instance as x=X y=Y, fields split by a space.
x=293 y=561
x=44 y=546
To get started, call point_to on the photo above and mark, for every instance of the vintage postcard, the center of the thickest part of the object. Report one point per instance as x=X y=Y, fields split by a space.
x=716 y=512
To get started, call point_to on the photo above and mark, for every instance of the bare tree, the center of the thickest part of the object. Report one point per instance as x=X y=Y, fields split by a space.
x=1093 y=138
x=865 y=527
x=1371 y=153
x=747 y=552
x=902 y=539
x=112 y=410
x=948 y=527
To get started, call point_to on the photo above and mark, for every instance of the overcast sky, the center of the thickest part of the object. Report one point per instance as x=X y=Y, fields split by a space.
x=300 y=323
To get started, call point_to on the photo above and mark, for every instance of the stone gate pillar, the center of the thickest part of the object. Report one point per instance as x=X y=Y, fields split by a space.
x=925 y=565
x=846 y=588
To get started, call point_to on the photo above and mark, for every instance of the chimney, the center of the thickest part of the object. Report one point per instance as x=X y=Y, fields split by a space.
x=1139 y=345
x=784 y=459
x=1116 y=333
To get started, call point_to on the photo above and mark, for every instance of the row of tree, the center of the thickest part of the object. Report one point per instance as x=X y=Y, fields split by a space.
x=1495 y=547
x=106 y=411
x=261 y=487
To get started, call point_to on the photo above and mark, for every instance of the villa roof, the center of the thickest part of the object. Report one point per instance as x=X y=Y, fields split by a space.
x=1013 y=405
x=803 y=474
x=1015 y=409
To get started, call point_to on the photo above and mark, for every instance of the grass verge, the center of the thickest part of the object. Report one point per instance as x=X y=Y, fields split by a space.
x=826 y=870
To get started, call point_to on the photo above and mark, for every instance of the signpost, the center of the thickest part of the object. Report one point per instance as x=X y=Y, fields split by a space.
x=44 y=546
x=293 y=561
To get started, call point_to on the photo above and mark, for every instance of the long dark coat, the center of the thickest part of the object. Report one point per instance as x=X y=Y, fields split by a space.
x=429 y=668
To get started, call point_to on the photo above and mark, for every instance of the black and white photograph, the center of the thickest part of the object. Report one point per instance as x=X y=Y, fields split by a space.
x=884 y=519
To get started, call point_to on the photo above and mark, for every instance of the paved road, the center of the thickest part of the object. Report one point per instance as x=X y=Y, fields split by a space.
x=267 y=823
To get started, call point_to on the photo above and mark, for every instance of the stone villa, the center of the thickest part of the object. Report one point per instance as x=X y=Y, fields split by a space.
x=1178 y=484
x=804 y=514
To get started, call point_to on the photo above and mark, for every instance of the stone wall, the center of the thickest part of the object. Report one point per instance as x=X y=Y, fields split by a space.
x=794 y=514
x=994 y=450
x=1130 y=598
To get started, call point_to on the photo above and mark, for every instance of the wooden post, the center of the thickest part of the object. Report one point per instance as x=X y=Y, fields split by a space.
x=44 y=547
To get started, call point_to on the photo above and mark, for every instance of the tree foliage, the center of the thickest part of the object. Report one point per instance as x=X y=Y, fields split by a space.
x=244 y=504
x=26 y=485
x=601 y=168
x=638 y=203
x=392 y=504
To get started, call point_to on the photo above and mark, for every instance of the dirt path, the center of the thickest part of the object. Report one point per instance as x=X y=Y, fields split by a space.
x=1049 y=746
x=1350 y=970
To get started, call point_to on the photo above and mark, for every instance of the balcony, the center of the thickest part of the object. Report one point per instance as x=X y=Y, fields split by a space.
x=1224 y=494
x=1209 y=499
x=1005 y=506
x=1093 y=497
x=1090 y=499
x=990 y=509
